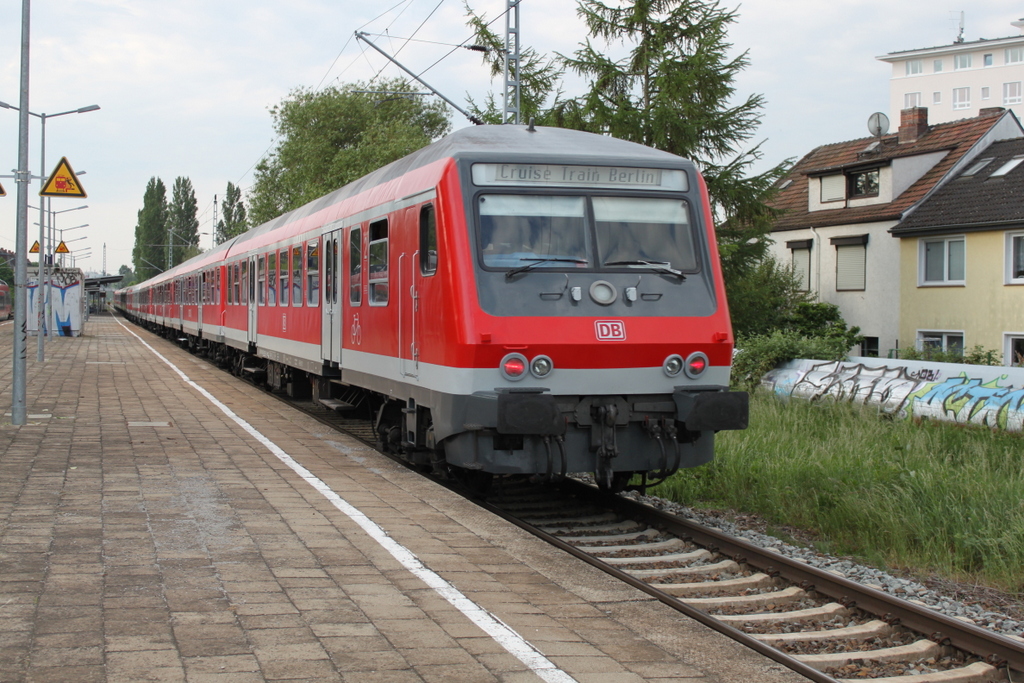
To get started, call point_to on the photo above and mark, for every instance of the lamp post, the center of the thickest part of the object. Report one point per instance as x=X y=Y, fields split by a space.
x=44 y=271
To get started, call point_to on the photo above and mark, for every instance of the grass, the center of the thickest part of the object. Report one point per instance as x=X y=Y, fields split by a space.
x=925 y=497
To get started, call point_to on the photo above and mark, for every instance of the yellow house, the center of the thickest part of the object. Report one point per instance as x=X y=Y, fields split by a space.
x=962 y=259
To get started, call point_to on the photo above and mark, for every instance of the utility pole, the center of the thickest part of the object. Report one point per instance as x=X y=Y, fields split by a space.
x=23 y=176
x=511 y=62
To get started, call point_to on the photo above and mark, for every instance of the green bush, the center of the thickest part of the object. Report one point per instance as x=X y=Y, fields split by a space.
x=977 y=355
x=761 y=354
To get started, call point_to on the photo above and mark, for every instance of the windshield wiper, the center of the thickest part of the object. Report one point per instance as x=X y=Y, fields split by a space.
x=539 y=260
x=665 y=268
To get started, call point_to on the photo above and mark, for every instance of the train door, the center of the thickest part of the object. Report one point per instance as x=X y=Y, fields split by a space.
x=253 y=307
x=408 y=297
x=332 y=315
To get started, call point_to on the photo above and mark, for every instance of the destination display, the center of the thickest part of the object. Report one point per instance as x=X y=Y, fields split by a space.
x=558 y=175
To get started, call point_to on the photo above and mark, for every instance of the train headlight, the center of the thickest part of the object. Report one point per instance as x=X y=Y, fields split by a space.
x=541 y=366
x=673 y=365
x=696 y=364
x=603 y=292
x=513 y=367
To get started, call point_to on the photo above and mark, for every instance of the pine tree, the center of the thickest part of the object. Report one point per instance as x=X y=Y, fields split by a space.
x=151 y=231
x=233 y=221
x=182 y=238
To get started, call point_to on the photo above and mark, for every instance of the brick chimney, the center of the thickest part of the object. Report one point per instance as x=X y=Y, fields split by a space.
x=913 y=124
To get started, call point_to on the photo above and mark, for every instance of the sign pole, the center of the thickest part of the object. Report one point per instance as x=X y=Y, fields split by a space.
x=18 y=400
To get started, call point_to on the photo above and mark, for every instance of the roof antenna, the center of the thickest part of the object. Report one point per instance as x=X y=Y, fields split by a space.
x=960 y=36
x=530 y=128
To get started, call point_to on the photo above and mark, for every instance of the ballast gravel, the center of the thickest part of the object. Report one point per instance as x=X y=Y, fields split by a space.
x=907 y=589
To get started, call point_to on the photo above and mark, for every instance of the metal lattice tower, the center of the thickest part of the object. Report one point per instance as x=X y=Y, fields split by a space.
x=512 y=62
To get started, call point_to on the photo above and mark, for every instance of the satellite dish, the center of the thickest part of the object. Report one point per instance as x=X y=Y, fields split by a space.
x=878 y=124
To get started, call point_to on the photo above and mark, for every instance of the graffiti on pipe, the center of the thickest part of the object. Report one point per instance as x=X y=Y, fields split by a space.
x=906 y=393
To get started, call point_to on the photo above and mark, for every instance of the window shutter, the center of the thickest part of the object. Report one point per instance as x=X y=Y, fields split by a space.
x=833 y=188
x=850 y=261
x=802 y=268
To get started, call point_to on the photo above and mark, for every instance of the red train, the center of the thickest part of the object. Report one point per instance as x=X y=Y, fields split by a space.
x=6 y=302
x=505 y=300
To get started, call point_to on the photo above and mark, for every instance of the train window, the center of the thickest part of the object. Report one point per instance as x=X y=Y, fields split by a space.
x=245 y=282
x=282 y=273
x=377 y=271
x=313 y=272
x=271 y=279
x=518 y=230
x=355 y=267
x=261 y=279
x=297 y=275
x=236 y=285
x=428 y=240
x=635 y=230
x=328 y=269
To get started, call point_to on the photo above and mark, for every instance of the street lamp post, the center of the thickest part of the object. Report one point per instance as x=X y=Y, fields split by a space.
x=44 y=270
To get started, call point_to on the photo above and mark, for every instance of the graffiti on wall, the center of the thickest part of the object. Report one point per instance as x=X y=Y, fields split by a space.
x=924 y=392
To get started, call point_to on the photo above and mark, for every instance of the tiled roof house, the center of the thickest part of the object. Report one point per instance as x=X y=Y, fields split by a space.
x=962 y=258
x=841 y=200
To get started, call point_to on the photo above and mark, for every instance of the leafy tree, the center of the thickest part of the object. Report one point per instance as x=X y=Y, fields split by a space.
x=182 y=222
x=151 y=231
x=127 y=276
x=334 y=136
x=233 y=221
x=673 y=91
x=765 y=299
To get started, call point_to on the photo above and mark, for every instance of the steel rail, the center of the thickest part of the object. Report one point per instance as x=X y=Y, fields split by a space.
x=996 y=648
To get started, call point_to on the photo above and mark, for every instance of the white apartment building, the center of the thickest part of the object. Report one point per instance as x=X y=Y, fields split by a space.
x=958 y=81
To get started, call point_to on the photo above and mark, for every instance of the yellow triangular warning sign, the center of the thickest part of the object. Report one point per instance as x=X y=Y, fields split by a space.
x=62 y=248
x=62 y=182
x=35 y=248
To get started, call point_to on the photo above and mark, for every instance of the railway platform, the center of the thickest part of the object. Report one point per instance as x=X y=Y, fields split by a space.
x=161 y=520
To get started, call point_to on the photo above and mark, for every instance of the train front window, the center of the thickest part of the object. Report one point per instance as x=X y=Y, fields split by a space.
x=644 y=232
x=518 y=230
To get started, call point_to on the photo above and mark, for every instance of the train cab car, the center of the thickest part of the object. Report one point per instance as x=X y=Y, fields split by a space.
x=509 y=299
x=6 y=302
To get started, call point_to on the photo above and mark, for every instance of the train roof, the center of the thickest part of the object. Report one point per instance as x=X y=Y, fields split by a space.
x=504 y=142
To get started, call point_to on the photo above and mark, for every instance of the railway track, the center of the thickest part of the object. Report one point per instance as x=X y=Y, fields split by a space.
x=818 y=623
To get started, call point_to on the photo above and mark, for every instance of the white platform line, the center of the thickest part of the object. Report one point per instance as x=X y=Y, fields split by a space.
x=504 y=635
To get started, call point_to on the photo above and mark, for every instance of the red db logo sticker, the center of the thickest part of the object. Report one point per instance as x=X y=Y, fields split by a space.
x=610 y=330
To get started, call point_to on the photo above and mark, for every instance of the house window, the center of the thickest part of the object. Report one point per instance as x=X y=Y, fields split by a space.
x=378 y=262
x=977 y=166
x=833 y=188
x=862 y=183
x=1014 y=55
x=942 y=261
x=937 y=66
x=851 y=262
x=984 y=93
x=950 y=342
x=1014 y=258
x=1011 y=93
x=987 y=59
x=1007 y=167
x=914 y=67
x=961 y=98
x=936 y=97
x=961 y=62
x=1014 y=350
x=911 y=100
x=869 y=347
x=800 y=251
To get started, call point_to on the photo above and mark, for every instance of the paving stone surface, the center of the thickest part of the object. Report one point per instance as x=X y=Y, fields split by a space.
x=144 y=536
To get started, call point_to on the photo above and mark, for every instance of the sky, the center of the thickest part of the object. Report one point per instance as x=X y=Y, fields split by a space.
x=185 y=87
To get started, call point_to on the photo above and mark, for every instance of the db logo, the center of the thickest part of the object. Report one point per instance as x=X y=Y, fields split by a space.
x=610 y=330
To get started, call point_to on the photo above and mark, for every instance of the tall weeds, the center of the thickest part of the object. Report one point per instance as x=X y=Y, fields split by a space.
x=929 y=497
